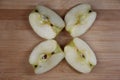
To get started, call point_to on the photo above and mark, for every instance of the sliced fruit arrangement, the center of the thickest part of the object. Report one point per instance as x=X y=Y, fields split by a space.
x=45 y=22
x=48 y=24
x=79 y=19
x=80 y=56
x=45 y=56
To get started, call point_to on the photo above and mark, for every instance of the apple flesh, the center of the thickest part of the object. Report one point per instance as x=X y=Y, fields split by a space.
x=46 y=56
x=80 y=56
x=79 y=19
x=45 y=22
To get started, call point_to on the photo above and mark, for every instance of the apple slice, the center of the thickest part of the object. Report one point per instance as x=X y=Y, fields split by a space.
x=80 y=56
x=45 y=22
x=79 y=19
x=46 y=56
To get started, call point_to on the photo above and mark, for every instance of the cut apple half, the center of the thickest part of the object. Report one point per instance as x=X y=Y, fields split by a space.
x=46 y=56
x=45 y=22
x=79 y=19
x=80 y=56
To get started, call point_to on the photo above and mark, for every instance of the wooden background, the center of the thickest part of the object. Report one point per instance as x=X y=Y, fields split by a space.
x=17 y=40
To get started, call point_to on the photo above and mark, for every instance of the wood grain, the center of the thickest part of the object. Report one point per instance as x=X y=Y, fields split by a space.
x=17 y=39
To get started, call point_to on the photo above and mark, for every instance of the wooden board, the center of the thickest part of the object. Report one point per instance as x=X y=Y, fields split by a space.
x=17 y=40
